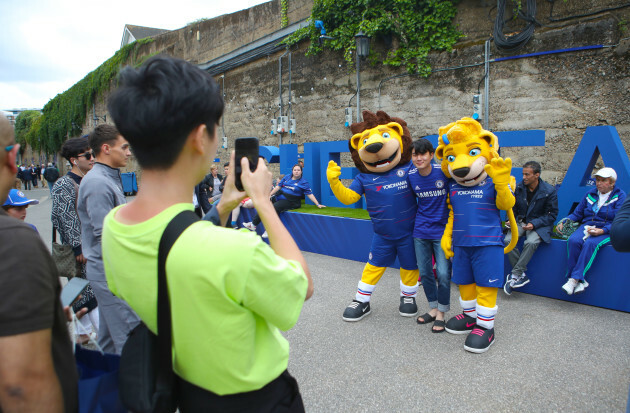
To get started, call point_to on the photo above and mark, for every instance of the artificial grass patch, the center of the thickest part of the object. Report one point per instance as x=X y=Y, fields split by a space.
x=333 y=211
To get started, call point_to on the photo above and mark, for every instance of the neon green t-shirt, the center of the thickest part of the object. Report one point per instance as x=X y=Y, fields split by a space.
x=230 y=294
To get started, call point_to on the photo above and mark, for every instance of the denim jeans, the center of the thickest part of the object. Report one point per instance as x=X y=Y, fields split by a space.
x=438 y=296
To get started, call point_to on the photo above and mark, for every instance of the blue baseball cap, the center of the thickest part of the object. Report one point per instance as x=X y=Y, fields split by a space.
x=17 y=198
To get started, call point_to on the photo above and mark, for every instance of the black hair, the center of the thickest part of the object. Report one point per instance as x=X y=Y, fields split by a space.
x=74 y=146
x=422 y=146
x=533 y=165
x=102 y=134
x=158 y=105
x=226 y=164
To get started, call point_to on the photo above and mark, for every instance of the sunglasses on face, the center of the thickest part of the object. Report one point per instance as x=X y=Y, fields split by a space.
x=88 y=155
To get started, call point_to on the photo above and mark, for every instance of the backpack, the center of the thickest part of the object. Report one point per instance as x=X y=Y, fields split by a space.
x=51 y=174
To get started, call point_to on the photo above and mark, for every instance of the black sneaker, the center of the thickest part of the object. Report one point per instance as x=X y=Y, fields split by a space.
x=408 y=307
x=356 y=311
x=461 y=324
x=507 y=287
x=520 y=281
x=479 y=340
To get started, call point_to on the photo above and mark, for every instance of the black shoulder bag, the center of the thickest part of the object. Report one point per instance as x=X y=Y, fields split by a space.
x=147 y=383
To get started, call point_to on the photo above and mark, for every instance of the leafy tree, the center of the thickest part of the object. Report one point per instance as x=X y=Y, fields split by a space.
x=419 y=26
x=24 y=123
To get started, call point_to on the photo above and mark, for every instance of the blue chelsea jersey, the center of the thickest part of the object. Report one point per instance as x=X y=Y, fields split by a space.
x=431 y=195
x=390 y=201
x=477 y=221
x=294 y=187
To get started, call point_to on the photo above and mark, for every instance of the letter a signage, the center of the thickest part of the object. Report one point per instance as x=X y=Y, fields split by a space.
x=597 y=140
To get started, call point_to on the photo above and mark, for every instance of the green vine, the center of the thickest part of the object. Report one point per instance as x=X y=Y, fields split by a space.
x=284 y=13
x=417 y=26
x=64 y=115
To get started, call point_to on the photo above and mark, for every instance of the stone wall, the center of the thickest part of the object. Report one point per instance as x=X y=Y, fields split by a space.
x=561 y=93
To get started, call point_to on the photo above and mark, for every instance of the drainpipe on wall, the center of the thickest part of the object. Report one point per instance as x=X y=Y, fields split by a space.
x=290 y=111
x=486 y=91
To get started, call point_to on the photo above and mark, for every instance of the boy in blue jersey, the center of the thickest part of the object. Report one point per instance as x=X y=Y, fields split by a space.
x=381 y=150
x=429 y=184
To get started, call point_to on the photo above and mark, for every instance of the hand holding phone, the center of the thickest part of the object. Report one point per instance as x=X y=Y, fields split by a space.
x=72 y=290
x=244 y=148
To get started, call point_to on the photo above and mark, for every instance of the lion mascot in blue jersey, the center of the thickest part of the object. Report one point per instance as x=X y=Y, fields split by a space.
x=381 y=150
x=480 y=187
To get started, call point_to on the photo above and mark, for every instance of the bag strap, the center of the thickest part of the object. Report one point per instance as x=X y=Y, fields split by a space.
x=172 y=232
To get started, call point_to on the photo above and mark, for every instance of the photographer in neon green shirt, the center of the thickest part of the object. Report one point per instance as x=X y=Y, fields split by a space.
x=230 y=292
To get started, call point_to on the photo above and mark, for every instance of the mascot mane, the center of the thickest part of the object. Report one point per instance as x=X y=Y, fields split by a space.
x=372 y=120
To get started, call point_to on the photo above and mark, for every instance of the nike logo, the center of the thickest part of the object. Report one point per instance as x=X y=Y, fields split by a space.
x=374 y=179
x=491 y=281
x=470 y=325
x=490 y=339
x=364 y=308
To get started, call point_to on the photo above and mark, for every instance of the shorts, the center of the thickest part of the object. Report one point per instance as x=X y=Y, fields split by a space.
x=478 y=265
x=383 y=252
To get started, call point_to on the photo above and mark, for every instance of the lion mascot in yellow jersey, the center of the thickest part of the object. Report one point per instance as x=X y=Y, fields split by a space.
x=381 y=150
x=480 y=187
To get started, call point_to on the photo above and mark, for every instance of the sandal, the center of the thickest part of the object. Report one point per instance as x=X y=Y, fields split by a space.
x=438 y=323
x=428 y=318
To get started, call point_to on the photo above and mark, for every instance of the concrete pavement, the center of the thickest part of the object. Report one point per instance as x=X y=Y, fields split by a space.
x=549 y=355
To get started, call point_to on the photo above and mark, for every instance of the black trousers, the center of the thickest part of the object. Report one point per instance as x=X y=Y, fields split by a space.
x=282 y=395
x=281 y=206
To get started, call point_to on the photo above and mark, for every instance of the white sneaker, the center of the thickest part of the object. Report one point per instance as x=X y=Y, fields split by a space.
x=264 y=235
x=580 y=287
x=569 y=286
x=249 y=226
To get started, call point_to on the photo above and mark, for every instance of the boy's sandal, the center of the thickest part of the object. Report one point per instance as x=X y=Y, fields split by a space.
x=438 y=323
x=428 y=318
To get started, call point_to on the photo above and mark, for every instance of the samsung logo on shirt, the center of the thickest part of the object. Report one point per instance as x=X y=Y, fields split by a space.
x=429 y=194
x=400 y=185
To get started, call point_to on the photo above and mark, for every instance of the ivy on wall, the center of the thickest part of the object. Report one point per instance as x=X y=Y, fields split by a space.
x=418 y=26
x=284 y=13
x=64 y=115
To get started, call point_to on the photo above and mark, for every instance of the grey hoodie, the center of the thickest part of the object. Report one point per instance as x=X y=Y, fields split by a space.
x=100 y=191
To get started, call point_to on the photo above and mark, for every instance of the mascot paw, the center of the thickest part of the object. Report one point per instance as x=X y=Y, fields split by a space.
x=446 y=244
x=499 y=170
x=333 y=171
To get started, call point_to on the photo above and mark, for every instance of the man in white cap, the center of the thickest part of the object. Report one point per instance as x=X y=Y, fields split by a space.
x=595 y=214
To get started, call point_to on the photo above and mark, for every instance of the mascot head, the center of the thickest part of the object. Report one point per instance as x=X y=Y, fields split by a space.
x=380 y=142
x=464 y=148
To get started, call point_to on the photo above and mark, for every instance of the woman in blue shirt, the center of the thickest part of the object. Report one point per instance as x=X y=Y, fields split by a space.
x=289 y=193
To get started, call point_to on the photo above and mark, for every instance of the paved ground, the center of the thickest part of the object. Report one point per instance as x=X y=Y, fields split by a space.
x=549 y=355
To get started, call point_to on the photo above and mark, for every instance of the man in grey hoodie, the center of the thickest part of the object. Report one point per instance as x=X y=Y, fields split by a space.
x=100 y=191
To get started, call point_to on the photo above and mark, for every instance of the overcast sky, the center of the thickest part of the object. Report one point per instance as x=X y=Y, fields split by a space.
x=46 y=46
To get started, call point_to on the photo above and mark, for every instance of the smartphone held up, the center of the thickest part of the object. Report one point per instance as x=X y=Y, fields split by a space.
x=244 y=148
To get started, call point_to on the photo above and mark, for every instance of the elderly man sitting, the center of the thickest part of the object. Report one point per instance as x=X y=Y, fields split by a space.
x=595 y=213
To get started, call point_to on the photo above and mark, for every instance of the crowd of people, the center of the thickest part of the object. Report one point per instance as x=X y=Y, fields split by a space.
x=253 y=290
